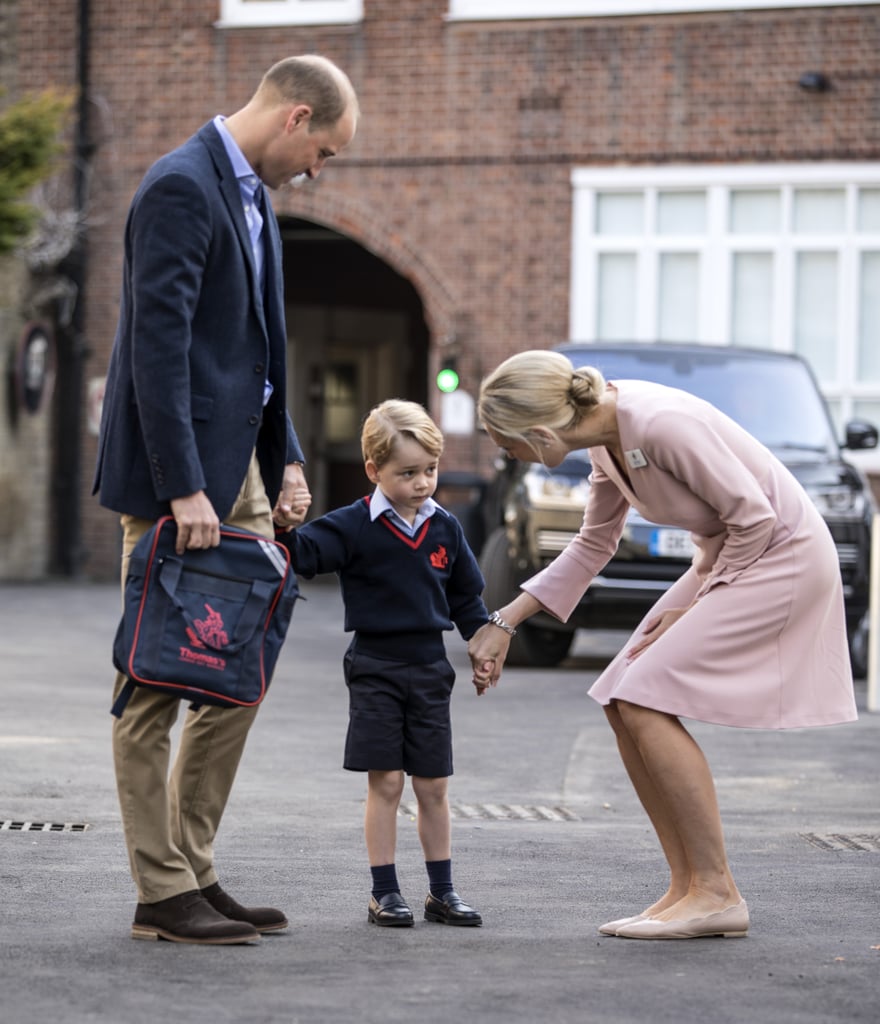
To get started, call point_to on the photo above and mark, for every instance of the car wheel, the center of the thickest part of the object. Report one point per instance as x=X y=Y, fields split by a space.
x=542 y=648
x=858 y=648
x=533 y=646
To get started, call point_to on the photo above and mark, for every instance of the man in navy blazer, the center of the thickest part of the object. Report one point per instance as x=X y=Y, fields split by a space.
x=195 y=425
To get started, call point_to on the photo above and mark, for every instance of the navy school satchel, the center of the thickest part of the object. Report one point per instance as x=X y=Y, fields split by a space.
x=206 y=626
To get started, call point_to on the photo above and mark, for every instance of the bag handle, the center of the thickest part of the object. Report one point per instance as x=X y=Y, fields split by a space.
x=252 y=613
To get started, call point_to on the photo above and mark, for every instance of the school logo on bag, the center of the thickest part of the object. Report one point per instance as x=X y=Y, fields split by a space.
x=208 y=632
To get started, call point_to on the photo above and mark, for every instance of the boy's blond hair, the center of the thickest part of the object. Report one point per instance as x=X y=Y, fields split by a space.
x=390 y=421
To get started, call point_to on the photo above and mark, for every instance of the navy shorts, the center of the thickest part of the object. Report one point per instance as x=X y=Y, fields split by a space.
x=398 y=717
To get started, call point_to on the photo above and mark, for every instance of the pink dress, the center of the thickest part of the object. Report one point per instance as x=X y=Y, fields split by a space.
x=765 y=645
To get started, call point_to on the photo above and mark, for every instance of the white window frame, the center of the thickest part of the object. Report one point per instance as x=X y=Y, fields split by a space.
x=716 y=248
x=260 y=13
x=508 y=10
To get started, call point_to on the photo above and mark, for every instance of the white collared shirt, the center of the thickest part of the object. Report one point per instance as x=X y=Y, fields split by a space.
x=380 y=505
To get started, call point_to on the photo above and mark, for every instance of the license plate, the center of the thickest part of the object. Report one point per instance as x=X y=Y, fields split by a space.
x=671 y=544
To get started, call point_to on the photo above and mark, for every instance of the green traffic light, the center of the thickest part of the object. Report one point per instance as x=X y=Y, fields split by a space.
x=447 y=380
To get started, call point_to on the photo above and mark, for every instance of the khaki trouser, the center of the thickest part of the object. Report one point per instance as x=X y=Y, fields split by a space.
x=170 y=823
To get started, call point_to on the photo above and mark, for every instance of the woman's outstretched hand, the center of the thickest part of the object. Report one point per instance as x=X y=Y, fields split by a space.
x=488 y=647
x=487 y=650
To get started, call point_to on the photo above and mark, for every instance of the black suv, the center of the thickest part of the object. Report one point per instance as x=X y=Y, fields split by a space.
x=532 y=512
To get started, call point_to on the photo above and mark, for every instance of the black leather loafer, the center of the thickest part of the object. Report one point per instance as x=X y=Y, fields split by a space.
x=452 y=910
x=189 y=917
x=264 y=919
x=391 y=911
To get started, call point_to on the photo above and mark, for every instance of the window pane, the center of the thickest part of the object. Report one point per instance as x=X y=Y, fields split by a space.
x=869 y=411
x=681 y=213
x=752 y=300
x=819 y=210
x=678 y=298
x=869 y=209
x=619 y=213
x=754 y=212
x=616 y=313
x=341 y=413
x=290 y=12
x=815 y=314
x=869 y=319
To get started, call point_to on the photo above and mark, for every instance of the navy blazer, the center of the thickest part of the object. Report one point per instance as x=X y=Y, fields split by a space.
x=183 y=406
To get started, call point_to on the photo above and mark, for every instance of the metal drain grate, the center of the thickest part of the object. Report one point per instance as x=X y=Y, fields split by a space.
x=838 y=841
x=43 y=826
x=499 y=812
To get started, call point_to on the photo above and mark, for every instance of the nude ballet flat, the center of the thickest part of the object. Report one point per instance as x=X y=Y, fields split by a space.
x=732 y=923
x=611 y=927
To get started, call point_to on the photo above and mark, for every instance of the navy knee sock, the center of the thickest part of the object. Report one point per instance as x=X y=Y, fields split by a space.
x=439 y=877
x=384 y=880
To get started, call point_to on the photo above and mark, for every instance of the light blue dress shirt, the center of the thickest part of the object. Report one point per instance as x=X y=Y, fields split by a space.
x=251 y=189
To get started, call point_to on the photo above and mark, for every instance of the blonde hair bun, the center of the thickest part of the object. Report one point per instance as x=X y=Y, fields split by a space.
x=587 y=387
x=537 y=388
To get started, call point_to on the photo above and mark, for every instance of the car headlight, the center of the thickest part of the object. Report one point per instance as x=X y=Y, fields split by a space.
x=840 y=502
x=546 y=490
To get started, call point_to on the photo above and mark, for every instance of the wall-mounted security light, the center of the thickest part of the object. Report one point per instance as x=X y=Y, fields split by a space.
x=814 y=81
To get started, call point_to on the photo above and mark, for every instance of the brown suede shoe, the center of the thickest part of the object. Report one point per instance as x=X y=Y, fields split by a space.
x=189 y=917
x=264 y=919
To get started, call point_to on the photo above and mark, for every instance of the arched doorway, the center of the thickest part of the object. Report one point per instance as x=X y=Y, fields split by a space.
x=356 y=335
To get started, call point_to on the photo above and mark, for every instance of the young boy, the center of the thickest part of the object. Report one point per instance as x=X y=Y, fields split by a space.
x=407 y=574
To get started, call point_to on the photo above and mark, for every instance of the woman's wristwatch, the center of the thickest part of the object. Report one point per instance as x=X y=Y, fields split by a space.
x=496 y=620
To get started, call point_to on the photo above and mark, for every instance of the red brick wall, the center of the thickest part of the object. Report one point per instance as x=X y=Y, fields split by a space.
x=459 y=175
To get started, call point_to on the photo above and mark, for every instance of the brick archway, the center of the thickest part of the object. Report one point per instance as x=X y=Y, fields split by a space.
x=358 y=222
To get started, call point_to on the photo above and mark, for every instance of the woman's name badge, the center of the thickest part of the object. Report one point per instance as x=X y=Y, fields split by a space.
x=635 y=459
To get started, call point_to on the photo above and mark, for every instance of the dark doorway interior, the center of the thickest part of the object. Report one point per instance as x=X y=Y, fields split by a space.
x=357 y=335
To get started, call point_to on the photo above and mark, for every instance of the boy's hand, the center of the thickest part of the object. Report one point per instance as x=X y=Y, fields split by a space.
x=483 y=677
x=294 y=500
x=294 y=509
x=487 y=649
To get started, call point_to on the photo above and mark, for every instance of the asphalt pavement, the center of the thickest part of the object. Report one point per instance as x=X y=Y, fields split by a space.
x=548 y=842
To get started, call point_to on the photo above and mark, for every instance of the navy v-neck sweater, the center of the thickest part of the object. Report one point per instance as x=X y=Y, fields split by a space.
x=400 y=593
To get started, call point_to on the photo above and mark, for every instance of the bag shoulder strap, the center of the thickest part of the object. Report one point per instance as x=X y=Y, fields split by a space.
x=122 y=700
